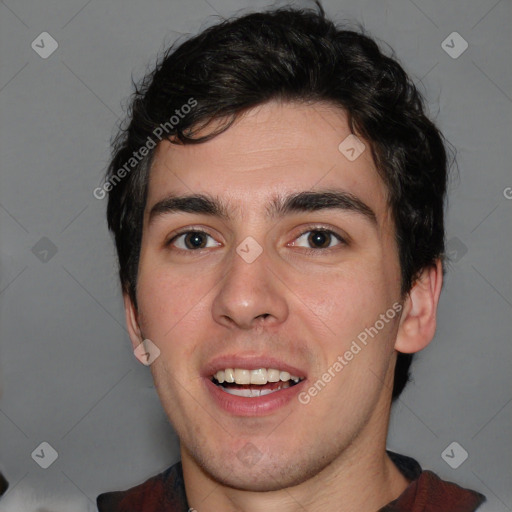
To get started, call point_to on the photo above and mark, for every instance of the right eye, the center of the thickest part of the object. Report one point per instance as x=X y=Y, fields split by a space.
x=192 y=240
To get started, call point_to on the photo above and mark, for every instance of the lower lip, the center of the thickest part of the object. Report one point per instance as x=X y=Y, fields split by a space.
x=252 y=406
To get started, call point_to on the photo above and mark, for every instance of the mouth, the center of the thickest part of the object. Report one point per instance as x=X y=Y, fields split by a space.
x=254 y=383
x=253 y=387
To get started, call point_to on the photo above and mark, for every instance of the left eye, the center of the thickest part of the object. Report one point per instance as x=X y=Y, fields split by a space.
x=192 y=240
x=318 y=239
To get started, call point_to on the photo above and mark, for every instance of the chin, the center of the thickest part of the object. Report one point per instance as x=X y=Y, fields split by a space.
x=262 y=480
x=264 y=475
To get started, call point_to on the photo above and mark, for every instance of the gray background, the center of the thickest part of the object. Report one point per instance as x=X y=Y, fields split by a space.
x=67 y=372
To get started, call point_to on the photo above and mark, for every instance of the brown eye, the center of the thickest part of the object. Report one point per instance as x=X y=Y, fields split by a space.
x=318 y=239
x=193 y=240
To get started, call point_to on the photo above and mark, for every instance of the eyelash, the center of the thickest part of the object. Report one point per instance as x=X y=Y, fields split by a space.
x=310 y=229
x=319 y=229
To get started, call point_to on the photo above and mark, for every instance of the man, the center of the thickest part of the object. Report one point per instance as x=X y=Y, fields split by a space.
x=277 y=206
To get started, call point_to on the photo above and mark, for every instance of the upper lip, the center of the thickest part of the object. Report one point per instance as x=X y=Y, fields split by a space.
x=249 y=362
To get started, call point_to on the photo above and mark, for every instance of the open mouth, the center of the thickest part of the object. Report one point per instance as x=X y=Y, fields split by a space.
x=253 y=383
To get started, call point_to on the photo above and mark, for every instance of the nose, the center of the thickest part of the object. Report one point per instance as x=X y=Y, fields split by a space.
x=250 y=295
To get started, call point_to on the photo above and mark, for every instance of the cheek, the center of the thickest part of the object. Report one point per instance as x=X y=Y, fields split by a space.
x=170 y=304
x=342 y=312
x=348 y=299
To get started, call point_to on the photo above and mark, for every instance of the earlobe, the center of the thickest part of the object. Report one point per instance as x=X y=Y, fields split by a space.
x=132 y=321
x=418 y=322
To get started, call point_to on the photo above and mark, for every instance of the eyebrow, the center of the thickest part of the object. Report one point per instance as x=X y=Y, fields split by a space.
x=278 y=207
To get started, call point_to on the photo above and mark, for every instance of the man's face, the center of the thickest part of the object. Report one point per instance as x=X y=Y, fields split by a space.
x=286 y=288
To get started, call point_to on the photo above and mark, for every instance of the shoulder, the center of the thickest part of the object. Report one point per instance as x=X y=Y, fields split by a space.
x=429 y=493
x=164 y=492
x=438 y=494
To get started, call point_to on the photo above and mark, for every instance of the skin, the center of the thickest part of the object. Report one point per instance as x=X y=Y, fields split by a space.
x=296 y=302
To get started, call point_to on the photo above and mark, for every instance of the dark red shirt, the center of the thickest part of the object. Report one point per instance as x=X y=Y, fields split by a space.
x=425 y=493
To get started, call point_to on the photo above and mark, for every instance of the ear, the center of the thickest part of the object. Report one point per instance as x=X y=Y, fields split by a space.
x=418 y=321
x=132 y=322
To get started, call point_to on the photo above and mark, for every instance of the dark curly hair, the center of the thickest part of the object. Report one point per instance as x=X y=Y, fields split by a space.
x=293 y=55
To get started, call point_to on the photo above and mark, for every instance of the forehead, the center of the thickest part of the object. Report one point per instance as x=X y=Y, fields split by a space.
x=275 y=148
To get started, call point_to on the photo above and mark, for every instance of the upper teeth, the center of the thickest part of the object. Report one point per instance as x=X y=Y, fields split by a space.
x=259 y=376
